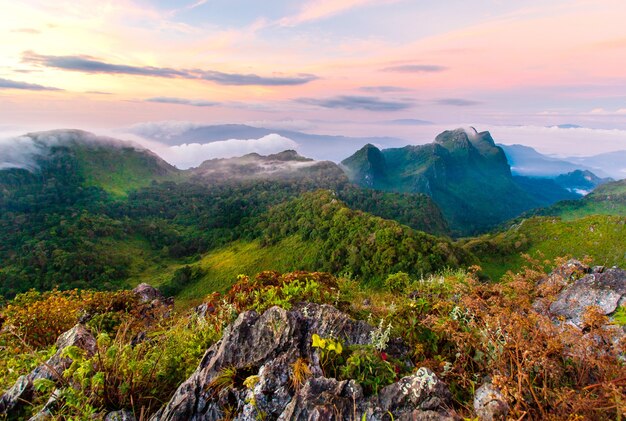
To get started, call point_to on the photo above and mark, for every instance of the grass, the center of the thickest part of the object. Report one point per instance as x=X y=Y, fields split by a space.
x=595 y=208
x=601 y=237
x=220 y=266
x=248 y=258
x=571 y=210
x=146 y=265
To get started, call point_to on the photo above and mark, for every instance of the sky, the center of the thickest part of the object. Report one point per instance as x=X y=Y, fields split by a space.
x=401 y=68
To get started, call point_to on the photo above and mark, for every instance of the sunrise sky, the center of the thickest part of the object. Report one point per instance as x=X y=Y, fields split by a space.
x=353 y=67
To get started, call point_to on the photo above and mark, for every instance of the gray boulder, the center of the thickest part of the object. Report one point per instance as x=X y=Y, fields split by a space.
x=490 y=404
x=605 y=290
x=423 y=391
x=555 y=282
x=14 y=399
x=324 y=399
x=421 y=396
x=147 y=293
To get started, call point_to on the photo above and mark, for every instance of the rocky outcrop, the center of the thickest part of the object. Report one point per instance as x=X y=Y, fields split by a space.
x=147 y=293
x=324 y=399
x=605 y=290
x=264 y=347
x=567 y=292
x=12 y=401
x=421 y=391
x=421 y=396
x=549 y=286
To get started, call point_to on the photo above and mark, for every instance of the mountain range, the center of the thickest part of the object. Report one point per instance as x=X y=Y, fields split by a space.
x=526 y=161
x=464 y=172
x=79 y=210
x=320 y=146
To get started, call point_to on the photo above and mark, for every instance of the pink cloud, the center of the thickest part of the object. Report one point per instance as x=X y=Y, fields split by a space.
x=320 y=9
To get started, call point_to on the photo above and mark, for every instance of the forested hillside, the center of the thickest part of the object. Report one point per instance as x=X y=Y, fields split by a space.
x=72 y=222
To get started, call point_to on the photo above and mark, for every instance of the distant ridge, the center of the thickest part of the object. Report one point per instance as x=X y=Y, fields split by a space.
x=318 y=146
x=464 y=171
x=283 y=165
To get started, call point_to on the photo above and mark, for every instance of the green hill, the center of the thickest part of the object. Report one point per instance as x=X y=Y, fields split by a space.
x=607 y=199
x=601 y=237
x=354 y=241
x=115 y=166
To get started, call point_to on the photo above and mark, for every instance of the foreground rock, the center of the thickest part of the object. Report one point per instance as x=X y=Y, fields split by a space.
x=147 y=293
x=605 y=290
x=121 y=415
x=490 y=404
x=266 y=346
x=21 y=393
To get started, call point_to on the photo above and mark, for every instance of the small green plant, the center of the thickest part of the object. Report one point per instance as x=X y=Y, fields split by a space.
x=224 y=379
x=369 y=368
x=251 y=381
x=379 y=337
x=619 y=317
x=330 y=354
x=44 y=386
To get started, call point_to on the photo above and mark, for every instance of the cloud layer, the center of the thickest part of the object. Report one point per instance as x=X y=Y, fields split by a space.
x=457 y=102
x=93 y=65
x=18 y=152
x=182 y=101
x=416 y=68
x=354 y=102
x=13 y=84
x=409 y=122
x=193 y=154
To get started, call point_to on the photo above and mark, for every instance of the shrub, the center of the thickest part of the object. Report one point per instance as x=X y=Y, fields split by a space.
x=397 y=282
x=140 y=376
x=182 y=277
x=545 y=370
x=39 y=318
x=273 y=289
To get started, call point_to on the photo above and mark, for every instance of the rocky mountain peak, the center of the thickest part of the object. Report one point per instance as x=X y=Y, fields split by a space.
x=454 y=139
x=368 y=165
